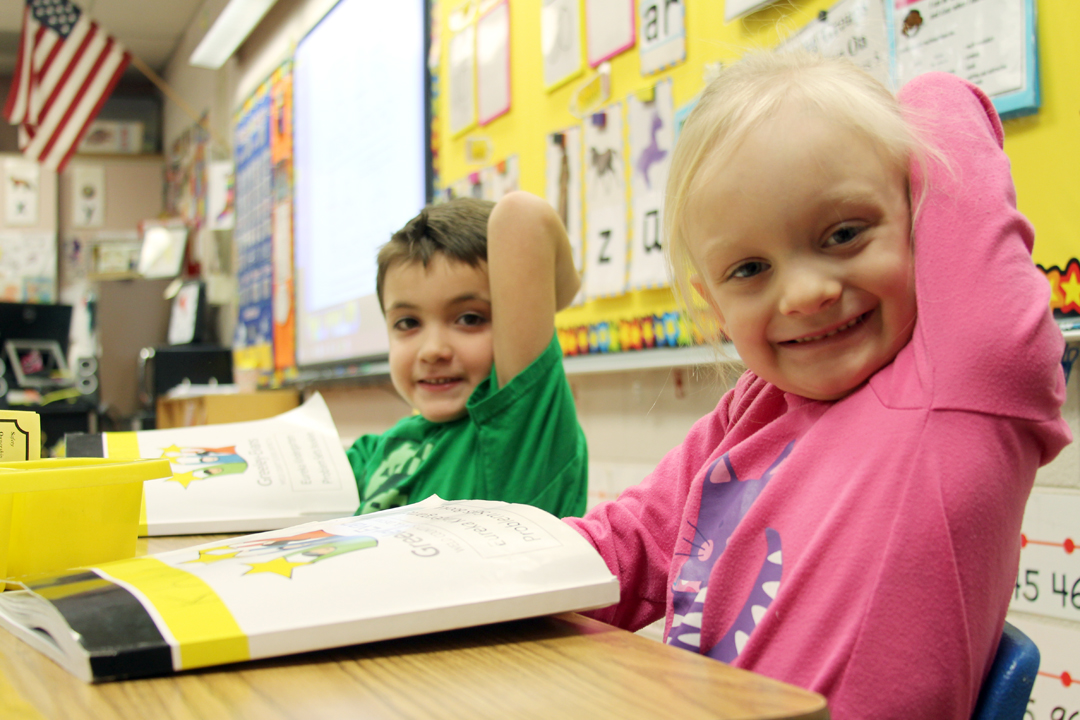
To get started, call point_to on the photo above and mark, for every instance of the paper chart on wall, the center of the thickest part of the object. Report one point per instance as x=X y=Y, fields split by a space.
x=493 y=63
x=22 y=190
x=662 y=39
x=563 y=184
x=855 y=29
x=605 y=205
x=609 y=28
x=560 y=41
x=462 y=80
x=652 y=138
x=983 y=42
x=27 y=266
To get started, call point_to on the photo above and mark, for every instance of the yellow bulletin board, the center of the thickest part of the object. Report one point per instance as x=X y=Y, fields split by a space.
x=1044 y=147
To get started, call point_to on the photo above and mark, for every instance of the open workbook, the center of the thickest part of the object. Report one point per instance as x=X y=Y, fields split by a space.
x=238 y=477
x=435 y=565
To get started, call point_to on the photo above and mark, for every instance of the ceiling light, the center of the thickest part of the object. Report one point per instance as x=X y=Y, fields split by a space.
x=230 y=29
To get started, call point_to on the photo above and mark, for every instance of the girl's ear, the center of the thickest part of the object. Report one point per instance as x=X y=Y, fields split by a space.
x=699 y=286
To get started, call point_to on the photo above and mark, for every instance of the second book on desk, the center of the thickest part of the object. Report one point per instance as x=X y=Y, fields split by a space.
x=432 y=566
x=238 y=477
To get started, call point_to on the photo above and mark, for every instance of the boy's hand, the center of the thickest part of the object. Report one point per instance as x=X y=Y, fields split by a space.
x=531 y=273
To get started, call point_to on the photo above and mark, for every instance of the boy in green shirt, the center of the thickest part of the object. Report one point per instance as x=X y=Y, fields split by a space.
x=469 y=290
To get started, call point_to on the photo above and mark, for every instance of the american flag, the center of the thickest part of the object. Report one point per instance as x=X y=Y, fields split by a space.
x=66 y=68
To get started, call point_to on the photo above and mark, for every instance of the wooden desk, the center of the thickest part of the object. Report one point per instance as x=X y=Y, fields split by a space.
x=565 y=666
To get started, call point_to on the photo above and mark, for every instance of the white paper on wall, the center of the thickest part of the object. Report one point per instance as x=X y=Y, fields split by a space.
x=498 y=179
x=661 y=34
x=563 y=184
x=22 y=190
x=220 y=195
x=560 y=41
x=1049 y=579
x=609 y=28
x=27 y=266
x=652 y=138
x=734 y=9
x=462 y=79
x=493 y=63
x=980 y=41
x=854 y=29
x=605 y=205
x=88 y=193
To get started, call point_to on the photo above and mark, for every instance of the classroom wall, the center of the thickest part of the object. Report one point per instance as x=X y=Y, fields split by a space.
x=632 y=418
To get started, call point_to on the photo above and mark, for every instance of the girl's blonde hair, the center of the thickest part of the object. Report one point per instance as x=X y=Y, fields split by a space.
x=739 y=100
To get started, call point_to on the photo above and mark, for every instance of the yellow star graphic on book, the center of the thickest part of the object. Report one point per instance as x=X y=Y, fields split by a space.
x=281 y=566
x=184 y=479
x=172 y=451
x=213 y=554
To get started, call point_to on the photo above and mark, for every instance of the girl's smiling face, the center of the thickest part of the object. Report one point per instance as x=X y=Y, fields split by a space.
x=801 y=238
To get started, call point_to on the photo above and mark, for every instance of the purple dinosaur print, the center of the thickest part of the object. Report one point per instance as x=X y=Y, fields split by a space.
x=725 y=500
x=652 y=153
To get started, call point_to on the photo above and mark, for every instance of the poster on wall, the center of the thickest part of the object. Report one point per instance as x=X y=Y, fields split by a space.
x=609 y=29
x=652 y=138
x=991 y=43
x=220 y=195
x=855 y=29
x=662 y=34
x=27 y=266
x=562 y=171
x=88 y=196
x=605 y=205
x=493 y=63
x=560 y=42
x=281 y=158
x=253 y=234
x=22 y=190
x=461 y=79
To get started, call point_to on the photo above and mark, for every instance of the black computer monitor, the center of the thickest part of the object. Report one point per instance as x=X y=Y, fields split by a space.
x=45 y=325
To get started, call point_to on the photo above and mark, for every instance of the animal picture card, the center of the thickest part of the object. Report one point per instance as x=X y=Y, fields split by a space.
x=560 y=41
x=605 y=205
x=22 y=188
x=652 y=138
x=563 y=184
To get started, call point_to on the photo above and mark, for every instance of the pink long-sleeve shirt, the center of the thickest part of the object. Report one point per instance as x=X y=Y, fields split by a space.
x=866 y=548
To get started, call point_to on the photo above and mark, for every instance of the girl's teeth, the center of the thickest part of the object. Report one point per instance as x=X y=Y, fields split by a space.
x=830 y=334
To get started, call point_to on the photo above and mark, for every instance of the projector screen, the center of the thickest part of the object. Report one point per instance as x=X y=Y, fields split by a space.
x=362 y=167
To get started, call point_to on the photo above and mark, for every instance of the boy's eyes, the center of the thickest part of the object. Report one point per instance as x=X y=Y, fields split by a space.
x=405 y=323
x=472 y=319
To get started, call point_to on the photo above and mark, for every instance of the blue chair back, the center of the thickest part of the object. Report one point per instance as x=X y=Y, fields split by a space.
x=1005 y=692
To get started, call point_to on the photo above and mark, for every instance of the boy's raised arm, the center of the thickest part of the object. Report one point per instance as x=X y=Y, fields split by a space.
x=531 y=274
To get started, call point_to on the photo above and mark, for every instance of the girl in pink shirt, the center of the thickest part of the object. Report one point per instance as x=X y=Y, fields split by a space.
x=848 y=518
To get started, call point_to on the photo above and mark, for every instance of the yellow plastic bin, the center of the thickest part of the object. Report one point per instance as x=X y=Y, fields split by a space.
x=61 y=513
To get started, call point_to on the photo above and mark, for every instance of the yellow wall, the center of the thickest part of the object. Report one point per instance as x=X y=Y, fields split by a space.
x=1044 y=148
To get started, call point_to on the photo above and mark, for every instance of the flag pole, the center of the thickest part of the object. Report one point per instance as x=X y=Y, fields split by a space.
x=171 y=94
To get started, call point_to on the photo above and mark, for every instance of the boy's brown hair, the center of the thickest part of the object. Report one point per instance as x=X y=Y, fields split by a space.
x=456 y=229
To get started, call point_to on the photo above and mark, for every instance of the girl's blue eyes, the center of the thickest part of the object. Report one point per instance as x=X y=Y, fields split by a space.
x=749 y=269
x=844 y=235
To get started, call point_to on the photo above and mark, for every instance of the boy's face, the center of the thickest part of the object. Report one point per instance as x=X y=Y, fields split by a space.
x=802 y=240
x=439 y=320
